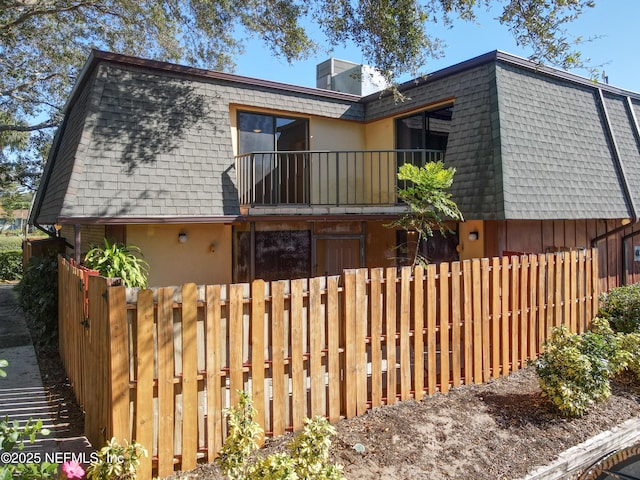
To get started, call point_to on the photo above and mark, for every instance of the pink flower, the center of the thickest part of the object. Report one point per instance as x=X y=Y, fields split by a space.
x=72 y=470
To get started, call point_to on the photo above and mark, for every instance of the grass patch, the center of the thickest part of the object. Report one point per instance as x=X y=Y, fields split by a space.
x=10 y=242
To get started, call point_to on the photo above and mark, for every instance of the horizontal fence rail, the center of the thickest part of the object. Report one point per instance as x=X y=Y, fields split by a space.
x=159 y=366
x=316 y=178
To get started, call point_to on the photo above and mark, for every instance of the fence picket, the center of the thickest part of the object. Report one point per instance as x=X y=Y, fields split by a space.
x=144 y=378
x=333 y=348
x=456 y=298
x=390 y=333
x=316 y=334
x=467 y=293
x=298 y=393
x=361 y=340
x=376 y=308
x=504 y=316
x=350 y=392
x=495 y=317
x=431 y=330
x=189 y=377
x=532 y=341
x=277 y=358
x=515 y=315
x=165 y=382
x=523 y=317
x=476 y=275
x=444 y=326
x=486 y=338
x=418 y=332
x=213 y=363
x=257 y=352
x=541 y=312
x=404 y=344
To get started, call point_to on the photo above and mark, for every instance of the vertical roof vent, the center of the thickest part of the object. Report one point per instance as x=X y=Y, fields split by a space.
x=349 y=77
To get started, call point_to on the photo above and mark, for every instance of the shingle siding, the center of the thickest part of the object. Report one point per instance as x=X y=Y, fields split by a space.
x=556 y=157
x=472 y=146
x=160 y=144
x=60 y=182
x=624 y=129
x=143 y=141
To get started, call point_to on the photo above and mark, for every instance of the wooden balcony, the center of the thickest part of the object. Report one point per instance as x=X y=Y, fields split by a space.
x=349 y=180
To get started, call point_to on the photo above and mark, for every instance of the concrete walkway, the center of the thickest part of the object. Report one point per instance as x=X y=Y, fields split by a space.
x=22 y=395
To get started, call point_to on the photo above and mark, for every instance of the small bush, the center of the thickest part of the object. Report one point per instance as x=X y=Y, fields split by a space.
x=117 y=462
x=630 y=348
x=574 y=370
x=115 y=260
x=10 y=265
x=307 y=458
x=38 y=294
x=621 y=307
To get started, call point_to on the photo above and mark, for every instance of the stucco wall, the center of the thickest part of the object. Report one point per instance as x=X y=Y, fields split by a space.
x=205 y=258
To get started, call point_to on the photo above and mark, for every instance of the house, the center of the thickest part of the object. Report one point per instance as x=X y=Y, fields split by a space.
x=221 y=178
x=16 y=221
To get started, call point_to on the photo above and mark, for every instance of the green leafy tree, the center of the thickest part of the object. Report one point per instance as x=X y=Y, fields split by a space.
x=43 y=45
x=430 y=203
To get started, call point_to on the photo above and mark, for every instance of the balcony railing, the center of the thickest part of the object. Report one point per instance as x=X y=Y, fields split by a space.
x=325 y=178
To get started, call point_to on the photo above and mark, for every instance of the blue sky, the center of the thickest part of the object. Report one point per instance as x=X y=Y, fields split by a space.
x=615 y=52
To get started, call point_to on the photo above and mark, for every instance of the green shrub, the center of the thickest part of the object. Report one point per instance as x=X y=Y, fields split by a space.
x=621 y=306
x=117 y=462
x=308 y=452
x=38 y=294
x=10 y=265
x=574 y=370
x=630 y=348
x=115 y=260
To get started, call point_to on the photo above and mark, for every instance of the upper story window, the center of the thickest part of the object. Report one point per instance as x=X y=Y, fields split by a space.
x=425 y=130
x=263 y=132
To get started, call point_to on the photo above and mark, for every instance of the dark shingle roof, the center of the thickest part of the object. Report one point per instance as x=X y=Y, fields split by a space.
x=150 y=140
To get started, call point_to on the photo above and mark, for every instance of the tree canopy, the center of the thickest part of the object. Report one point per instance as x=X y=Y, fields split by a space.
x=44 y=44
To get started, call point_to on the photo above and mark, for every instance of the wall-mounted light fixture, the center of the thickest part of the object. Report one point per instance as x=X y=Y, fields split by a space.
x=212 y=247
x=473 y=236
x=182 y=237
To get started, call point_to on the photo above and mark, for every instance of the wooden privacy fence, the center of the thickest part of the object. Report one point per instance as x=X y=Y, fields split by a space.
x=159 y=366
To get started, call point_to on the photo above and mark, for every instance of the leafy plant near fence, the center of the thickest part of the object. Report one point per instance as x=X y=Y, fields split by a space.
x=307 y=457
x=10 y=265
x=621 y=306
x=575 y=370
x=38 y=295
x=116 y=461
x=115 y=260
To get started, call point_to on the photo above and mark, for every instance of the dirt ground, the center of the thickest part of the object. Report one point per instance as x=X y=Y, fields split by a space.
x=498 y=430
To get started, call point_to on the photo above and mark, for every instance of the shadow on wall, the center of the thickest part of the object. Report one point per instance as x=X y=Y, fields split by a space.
x=144 y=116
x=229 y=192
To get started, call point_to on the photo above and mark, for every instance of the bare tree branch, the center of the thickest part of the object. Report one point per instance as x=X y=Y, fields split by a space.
x=28 y=128
x=33 y=12
x=26 y=85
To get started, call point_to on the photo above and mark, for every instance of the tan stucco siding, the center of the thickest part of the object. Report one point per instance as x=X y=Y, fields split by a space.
x=205 y=257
